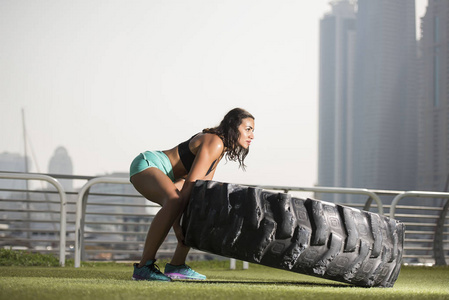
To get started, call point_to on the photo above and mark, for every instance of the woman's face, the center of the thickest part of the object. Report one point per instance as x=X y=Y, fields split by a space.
x=246 y=130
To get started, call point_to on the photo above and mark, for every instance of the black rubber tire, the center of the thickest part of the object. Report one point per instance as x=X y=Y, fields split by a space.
x=305 y=236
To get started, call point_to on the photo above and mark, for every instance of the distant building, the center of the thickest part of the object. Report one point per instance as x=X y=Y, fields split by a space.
x=12 y=162
x=434 y=99
x=385 y=96
x=368 y=96
x=61 y=164
x=337 y=44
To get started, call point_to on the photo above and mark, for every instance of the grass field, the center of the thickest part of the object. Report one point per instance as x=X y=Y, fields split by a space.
x=113 y=281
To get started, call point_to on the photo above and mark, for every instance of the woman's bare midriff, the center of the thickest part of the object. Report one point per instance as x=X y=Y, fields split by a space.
x=178 y=168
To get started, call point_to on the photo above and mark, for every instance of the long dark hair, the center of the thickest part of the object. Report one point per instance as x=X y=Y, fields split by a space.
x=228 y=131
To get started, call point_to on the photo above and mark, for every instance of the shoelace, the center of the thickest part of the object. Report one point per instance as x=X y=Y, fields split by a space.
x=155 y=268
x=189 y=269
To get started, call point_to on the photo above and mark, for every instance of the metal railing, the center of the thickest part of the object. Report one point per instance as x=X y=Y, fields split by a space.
x=63 y=203
x=432 y=219
x=334 y=190
x=81 y=211
x=109 y=222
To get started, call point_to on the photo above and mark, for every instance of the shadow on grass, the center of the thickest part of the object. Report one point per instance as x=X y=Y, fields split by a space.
x=281 y=283
x=94 y=273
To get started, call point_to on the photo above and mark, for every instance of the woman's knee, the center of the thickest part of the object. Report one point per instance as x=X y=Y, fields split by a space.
x=173 y=201
x=154 y=185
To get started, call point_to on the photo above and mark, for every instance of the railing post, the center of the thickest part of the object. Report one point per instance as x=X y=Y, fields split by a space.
x=438 y=247
x=81 y=211
x=368 y=203
x=82 y=222
x=63 y=206
x=395 y=202
x=232 y=262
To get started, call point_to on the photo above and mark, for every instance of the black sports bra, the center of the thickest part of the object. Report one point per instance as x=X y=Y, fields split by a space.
x=187 y=157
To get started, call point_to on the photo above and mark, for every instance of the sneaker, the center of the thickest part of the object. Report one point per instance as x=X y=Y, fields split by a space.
x=149 y=272
x=182 y=272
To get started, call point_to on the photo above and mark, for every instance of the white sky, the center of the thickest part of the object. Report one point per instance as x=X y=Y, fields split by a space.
x=109 y=79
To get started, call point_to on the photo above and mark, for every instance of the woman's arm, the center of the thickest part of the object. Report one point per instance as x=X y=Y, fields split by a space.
x=210 y=150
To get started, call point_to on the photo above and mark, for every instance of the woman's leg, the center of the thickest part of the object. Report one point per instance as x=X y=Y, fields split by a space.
x=154 y=185
x=179 y=257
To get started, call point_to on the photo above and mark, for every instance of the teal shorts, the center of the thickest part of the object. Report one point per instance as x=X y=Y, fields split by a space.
x=152 y=159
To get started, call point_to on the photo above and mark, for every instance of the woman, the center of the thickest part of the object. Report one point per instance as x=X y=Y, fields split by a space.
x=167 y=178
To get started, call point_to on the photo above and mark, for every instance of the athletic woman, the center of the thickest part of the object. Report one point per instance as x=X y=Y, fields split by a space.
x=167 y=178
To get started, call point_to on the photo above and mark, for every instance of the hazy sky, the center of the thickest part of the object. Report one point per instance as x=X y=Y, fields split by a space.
x=109 y=79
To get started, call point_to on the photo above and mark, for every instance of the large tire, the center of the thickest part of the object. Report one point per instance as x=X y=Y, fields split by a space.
x=305 y=236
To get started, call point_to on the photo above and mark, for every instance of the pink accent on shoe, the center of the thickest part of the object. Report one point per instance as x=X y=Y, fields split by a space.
x=176 y=275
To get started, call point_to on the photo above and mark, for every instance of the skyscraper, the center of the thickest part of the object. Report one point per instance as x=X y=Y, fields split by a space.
x=61 y=163
x=385 y=100
x=368 y=97
x=434 y=99
x=337 y=43
x=12 y=162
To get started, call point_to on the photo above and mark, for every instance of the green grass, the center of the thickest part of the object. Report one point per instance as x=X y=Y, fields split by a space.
x=23 y=258
x=113 y=281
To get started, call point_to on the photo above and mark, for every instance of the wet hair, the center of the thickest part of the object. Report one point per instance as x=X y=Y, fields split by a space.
x=228 y=131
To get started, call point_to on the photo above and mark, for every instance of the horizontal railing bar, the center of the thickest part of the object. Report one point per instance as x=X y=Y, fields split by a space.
x=115 y=214
x=358 y=206
x=60 y=176
x=30 y=211
x=34 y=230
x=109 y=242
x=30 y=221
x=9 y=238
x=417 y=256
x=69 y=193
x=424 y=225
x=15 y=221
x=434 y=208
x=36 y=191
x=125 y=233
x=423 y=248
x=407 y=232
x=53 y=250
x=398 y=216
x=148 y=205
x=41 y=201
x=31 y=241
x=123 y=204
x=419 y=224
x=162 y=251
x=95 y=194
x=418 y=248
x=118 y=223
x=418 y=240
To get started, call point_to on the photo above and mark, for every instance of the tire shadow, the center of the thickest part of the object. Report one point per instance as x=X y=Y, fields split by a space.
x=279 y=283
